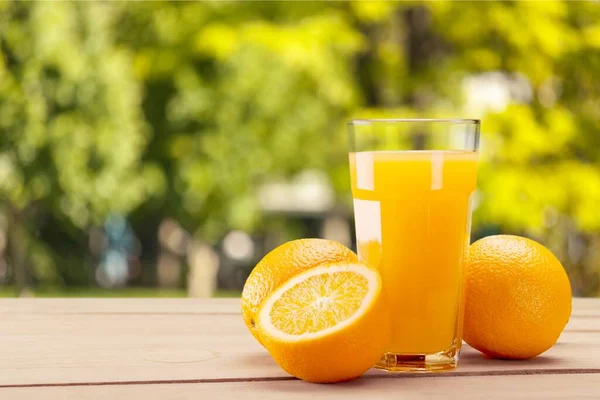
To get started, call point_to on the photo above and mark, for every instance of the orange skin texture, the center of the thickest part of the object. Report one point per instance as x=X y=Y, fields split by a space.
x=518 y=297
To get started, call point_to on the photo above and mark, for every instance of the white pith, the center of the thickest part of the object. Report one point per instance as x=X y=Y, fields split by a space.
x=373 y=287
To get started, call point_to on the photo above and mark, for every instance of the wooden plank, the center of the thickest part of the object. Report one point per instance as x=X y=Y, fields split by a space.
x=586 y=303
x=40 y=348
x=581 y=307
x=585 y=308
x=583 y=324
x=585 y=317
x=552 y=386
x=46 y=307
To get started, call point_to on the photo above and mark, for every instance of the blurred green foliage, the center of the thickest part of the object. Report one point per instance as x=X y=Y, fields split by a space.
x=182 y=109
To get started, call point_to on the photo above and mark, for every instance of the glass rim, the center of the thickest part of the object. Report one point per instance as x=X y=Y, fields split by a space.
x=369 y=121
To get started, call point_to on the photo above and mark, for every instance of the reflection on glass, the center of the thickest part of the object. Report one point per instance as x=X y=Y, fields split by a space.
x=412 y=213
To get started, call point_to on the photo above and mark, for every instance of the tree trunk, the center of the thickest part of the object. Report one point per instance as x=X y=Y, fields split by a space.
x=18 y=252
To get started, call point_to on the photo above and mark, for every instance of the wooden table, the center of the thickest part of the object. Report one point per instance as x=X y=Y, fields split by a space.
x=200 y=349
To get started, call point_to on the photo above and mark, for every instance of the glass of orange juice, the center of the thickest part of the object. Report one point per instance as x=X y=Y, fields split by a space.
x=412 y=185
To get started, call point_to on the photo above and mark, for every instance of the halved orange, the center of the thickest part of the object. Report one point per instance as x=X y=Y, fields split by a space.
x=327 y=324
x=284 y=262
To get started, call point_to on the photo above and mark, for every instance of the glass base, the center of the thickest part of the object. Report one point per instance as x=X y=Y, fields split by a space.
x=394 y=362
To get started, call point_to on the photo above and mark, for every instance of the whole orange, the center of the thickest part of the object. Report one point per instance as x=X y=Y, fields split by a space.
x=281 y=264
x=518 y=297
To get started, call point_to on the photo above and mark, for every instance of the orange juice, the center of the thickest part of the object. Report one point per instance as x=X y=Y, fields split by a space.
x=412 y=211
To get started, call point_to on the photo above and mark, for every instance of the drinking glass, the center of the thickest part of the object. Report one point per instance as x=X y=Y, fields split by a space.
x=412 y=185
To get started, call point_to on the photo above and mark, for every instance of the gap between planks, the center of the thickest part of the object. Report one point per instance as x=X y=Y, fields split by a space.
x=455 y=374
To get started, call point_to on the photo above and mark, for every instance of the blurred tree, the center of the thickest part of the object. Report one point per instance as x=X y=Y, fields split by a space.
x=104 y=104
x=71 y=128
x=244 y=89
x=259 y=91
x=541 y=170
